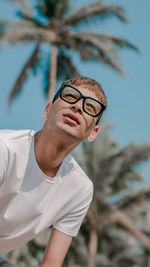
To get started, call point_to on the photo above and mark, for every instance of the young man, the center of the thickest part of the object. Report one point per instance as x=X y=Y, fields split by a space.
x=40 y=182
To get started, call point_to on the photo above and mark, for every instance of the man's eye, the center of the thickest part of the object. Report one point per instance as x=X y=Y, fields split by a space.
x=90 y=106
x=70 y=95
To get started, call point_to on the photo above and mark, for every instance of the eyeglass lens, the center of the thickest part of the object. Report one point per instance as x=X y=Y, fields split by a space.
x=71 y=95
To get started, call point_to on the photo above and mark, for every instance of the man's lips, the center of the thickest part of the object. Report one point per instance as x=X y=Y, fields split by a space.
x=72 y=117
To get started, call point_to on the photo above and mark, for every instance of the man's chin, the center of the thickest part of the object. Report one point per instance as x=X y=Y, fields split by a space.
x=70 y=131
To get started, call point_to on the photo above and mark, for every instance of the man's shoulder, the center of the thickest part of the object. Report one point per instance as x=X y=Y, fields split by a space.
x=8 y=135
x=79 y=173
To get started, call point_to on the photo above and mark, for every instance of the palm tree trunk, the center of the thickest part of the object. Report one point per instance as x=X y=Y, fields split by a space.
x=53 y=72
x=92 y=248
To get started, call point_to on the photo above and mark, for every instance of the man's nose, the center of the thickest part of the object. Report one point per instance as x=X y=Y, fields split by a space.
x=78 y=106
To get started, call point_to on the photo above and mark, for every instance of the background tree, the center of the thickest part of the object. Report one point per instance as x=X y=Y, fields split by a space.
x=112 y=229
x=52 y=22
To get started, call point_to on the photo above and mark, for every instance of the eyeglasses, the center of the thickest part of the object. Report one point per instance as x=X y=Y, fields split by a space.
x=71 y=95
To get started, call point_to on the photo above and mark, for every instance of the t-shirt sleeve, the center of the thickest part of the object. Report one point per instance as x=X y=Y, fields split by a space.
x=3 y=160
x=70 y=224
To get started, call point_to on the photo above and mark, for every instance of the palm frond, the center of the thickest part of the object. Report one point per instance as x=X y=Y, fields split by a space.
x=34 y=21
x=127 y=257
x=133 y=175
x=14 y=23
x=135 y=202
x=32 y=61
x=112 y=40
x=111 y=173
x=19 y=35
x=94 y=48
x=121 y=163
x=10 y=30
x=134 y=153
x=125 y=221
x=92 y=155
x=96 y=9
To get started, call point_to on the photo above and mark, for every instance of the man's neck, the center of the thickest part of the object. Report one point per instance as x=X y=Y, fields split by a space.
x=51 y=148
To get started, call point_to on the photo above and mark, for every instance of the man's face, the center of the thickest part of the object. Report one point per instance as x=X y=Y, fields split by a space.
x=71 y=119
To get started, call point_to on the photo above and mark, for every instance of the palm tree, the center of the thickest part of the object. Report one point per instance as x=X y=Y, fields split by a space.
x=55 y=25
x=116 y=205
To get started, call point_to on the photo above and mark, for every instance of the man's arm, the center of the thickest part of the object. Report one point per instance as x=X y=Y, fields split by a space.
x=56 y=249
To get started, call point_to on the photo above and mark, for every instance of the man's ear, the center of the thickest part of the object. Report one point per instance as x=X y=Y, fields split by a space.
x=91 y=137
x=46 y=110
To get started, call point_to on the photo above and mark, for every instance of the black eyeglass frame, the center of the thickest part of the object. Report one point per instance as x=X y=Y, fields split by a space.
x=59 y=94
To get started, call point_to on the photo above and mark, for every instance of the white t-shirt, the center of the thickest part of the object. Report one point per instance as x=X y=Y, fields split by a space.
x=31 y=201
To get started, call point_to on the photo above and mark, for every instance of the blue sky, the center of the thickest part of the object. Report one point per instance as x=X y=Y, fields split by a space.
x=128 y=99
